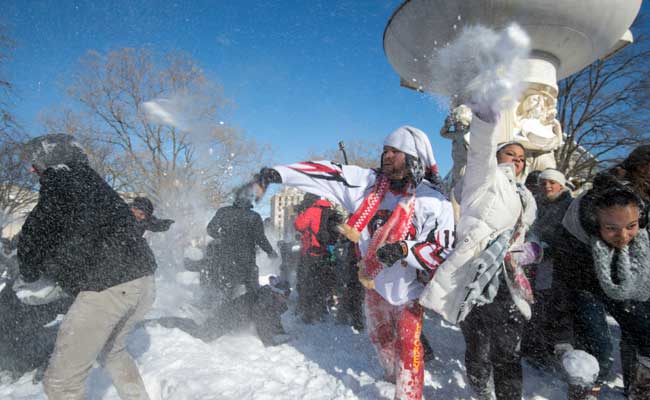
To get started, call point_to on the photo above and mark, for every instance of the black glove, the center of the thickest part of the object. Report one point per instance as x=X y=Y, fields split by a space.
x=390 y=253
x=158 y=225
x=273 y=254
x=166 y=223
x=266 y=176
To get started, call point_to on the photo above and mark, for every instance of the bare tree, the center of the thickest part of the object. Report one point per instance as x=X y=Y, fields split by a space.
x=603 y=109
x=359 y=152
x=176 y=143
x=7 y=122
x=17 y=187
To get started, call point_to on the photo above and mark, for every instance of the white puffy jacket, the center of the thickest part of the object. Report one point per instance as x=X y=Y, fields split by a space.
x=490 y=204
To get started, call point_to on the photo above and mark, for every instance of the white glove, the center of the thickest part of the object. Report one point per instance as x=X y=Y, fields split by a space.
x=39 y=292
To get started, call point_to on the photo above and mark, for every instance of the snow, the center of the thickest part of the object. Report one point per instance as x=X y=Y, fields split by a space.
x=581 y=367
x=193 y=253
x=483 y=67
x=41 y=291
x=323 y=361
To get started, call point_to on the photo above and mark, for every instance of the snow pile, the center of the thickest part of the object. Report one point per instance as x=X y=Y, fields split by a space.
x=483 y=67
x=41 y=291
x=193 y=253
x=323 y=361
x=581 y=367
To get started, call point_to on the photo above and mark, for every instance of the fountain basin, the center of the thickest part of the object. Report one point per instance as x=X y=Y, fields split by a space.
x=566 y=35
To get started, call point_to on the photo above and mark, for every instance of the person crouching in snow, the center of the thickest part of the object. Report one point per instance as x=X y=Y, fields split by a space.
x=263 y=307
x=603 y=256
x=405 y=228
x=83 y=236
x=142 y=209
x=485 y=268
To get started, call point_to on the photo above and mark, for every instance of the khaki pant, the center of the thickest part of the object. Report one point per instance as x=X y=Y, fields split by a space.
x=99 y=323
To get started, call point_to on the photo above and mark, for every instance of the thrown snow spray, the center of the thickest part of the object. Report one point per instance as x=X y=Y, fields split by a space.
x=161 y=112
x=179 y=111
x=483 y=67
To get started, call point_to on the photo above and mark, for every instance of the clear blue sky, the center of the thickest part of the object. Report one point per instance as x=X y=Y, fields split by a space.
x=302 y=74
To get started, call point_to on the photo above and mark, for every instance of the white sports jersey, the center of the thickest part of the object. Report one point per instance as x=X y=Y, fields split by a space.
x=431 y=234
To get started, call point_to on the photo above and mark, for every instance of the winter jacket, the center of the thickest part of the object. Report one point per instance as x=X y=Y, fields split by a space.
x=309 y=223
x=572 y=258
x=490 y=204
x=25 y=342
x=432 y=226
x=81 y=233
x=237 y=230
x=549 y=216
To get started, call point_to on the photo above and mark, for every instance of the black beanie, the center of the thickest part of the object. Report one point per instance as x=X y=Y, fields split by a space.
x=144 y=204
x=54 y=149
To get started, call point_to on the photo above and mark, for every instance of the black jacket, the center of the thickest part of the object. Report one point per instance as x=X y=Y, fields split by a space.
x=572 y=259
x=82 y=234
x=237 y=231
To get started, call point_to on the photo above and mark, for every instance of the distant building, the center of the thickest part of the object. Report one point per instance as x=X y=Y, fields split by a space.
x=283 y=213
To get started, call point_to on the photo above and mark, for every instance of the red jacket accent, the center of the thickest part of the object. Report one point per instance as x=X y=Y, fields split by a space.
x=308 y=223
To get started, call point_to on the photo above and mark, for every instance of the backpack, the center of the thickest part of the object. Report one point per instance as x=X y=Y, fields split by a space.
x=328 y=228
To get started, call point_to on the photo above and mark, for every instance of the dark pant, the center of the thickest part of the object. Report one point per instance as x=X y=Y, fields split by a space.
x=492 y=338
x=224 y=277
x=351 y=294
x=549 y=325
x=315 y=285
x=592 y=332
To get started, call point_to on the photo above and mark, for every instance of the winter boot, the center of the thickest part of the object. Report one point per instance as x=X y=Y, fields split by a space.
x=640 y=385
x=577 y=392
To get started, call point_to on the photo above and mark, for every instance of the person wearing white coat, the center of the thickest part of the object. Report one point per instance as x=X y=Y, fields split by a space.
x=493 y=205
x=404 y=226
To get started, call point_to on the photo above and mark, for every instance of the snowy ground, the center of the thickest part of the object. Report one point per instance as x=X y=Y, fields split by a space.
x=322 y=361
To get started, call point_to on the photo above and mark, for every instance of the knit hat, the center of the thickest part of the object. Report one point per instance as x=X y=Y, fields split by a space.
x=501 y=146
x=54 y=149
x=144 y=204
x=639 y=156
x=552 y=175
x=414 y=142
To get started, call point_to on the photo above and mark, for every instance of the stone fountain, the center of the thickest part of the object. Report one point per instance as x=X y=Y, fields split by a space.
x=566 y=36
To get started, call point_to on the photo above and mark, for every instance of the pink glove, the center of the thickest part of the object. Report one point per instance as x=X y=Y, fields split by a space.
x=526 y=254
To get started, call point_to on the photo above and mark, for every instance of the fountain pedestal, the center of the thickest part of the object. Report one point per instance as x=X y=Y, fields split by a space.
x=566 y=36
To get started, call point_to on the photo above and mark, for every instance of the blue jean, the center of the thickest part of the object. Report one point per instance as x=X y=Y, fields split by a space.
x=592 y=332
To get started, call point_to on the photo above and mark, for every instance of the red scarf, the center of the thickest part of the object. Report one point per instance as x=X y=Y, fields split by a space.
x=394 y=230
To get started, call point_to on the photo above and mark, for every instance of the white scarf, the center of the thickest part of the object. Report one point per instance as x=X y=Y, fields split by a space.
x=633 y=265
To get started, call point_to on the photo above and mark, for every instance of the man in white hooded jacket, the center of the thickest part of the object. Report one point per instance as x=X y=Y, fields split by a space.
x=405 y=228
